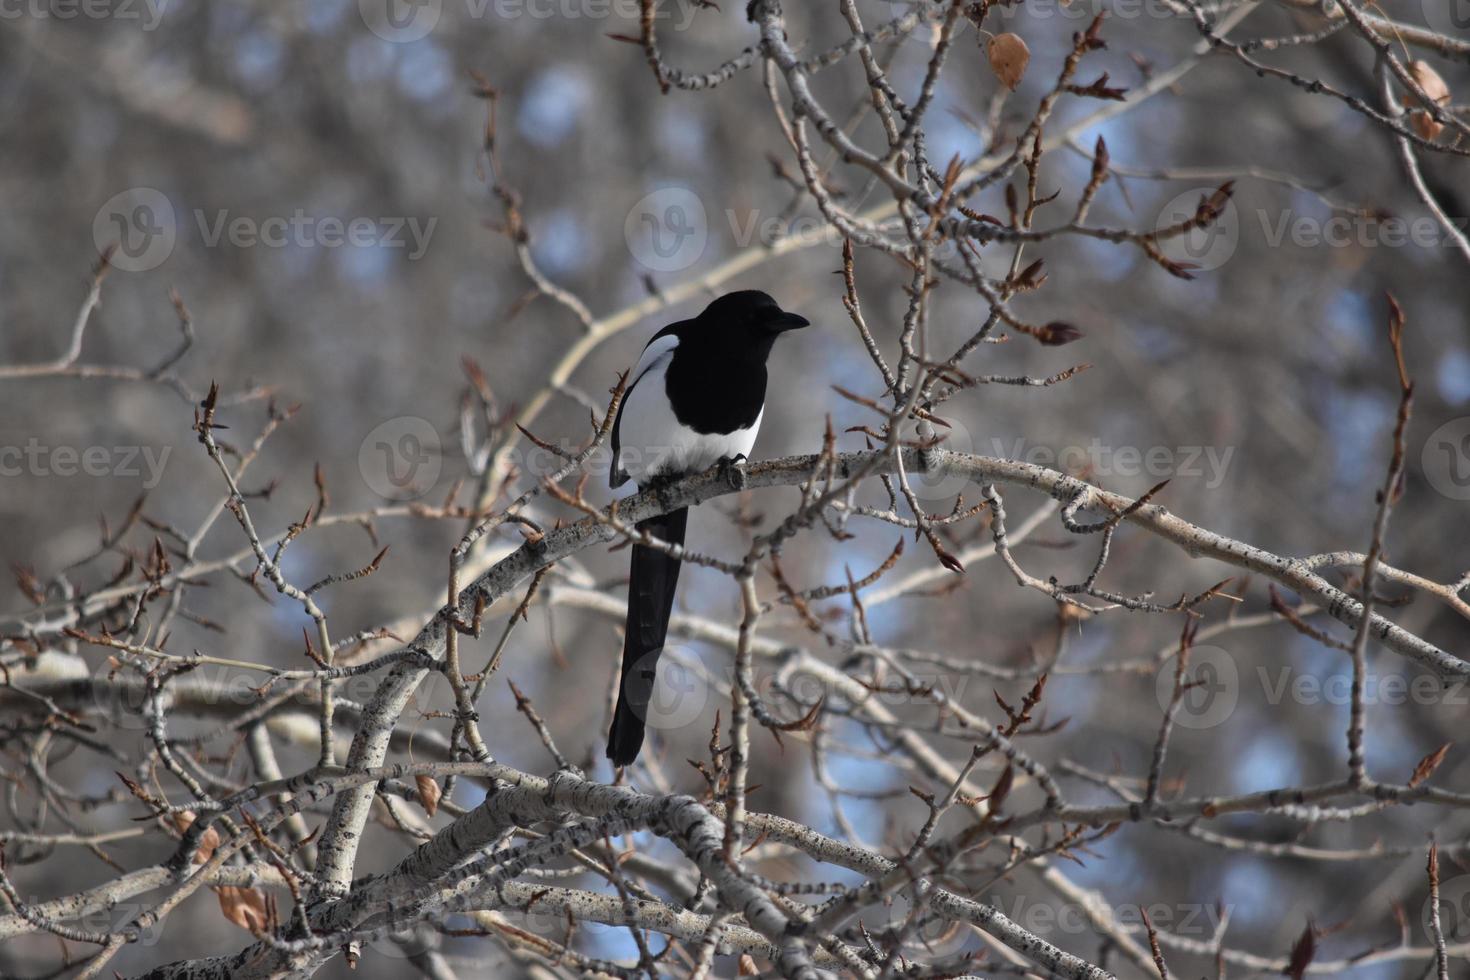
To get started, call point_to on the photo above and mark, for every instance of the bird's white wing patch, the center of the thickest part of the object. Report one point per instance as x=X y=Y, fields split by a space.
x=655 y=354
x=633 y=422
x=658 y=349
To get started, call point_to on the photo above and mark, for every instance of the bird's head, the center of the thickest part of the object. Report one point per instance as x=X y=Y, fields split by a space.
x=752 y=313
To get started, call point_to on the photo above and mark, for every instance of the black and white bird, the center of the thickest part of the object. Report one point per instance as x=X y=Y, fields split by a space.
x=696 y=399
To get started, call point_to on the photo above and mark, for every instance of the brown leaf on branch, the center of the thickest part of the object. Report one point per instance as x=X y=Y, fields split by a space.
x=245 y=907
x=1425 y=125
x=1008 y=56
x=429 y=793
x=207 y=842
x=1438 y=94
x=1430 y=81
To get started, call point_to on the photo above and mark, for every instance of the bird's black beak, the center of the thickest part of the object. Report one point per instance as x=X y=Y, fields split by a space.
x=783 y=321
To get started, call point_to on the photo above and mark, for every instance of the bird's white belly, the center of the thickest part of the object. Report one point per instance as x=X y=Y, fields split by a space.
x=652 y=442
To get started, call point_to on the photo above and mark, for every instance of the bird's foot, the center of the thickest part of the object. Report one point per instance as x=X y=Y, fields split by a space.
x=733 y=470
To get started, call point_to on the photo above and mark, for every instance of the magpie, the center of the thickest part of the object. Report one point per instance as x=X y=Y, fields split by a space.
x=696 y=399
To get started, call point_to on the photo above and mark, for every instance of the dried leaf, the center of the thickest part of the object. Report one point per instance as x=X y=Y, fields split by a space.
x=1425 y=125
x=1008 y=56
x=428 y=794
x=245 y=907
x=1438 y=93
x=207 y=842
x=1429 y=80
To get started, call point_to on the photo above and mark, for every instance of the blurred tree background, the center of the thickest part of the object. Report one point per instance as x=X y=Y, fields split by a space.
x=1265 y=385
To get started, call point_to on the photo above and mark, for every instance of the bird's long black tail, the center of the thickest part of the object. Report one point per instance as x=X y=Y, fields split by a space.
x=650 y=602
